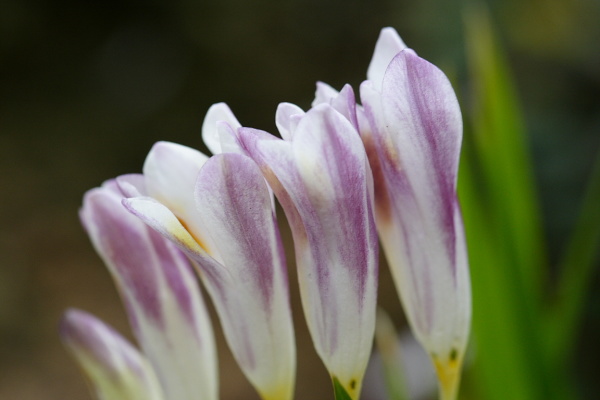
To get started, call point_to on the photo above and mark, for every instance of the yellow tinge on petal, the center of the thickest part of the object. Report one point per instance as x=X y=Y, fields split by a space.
x=347 y=390
x=190 y=237
x=448 y=372
x=107 y=386
x=280 y=392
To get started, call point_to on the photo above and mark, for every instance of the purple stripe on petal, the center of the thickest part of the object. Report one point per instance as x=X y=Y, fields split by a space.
x=122 y=241
x=322 y=179
x=347 y=168
x=175 y=268
x=163 y=221
x=419 y=101
x=413 y=138
x=235 y=205
x=159 y=290
x=233 y=198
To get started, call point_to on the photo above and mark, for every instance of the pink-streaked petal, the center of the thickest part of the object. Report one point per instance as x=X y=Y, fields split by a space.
x=388 y=45
x=160 y=291
x=418 y=101
x=170 y=171
x=265 y=149
x=416 y=132
x=235 y=204
x=115 y=368
x=211 y=135
x=324 y=173
x=286 y=118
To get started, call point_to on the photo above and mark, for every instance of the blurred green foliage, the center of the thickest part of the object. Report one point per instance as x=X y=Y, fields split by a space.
x=524 y=334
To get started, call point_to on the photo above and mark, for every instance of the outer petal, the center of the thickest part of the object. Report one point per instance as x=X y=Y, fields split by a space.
x=388 y=45
x=417 y=130
x=161 y=294
x=325 y=173
x=235 y=204
x=116 y=369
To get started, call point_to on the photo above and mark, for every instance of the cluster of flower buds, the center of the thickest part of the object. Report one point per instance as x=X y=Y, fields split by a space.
x=346 y=175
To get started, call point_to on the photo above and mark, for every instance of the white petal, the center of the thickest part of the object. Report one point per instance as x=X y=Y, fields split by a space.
x=170 y=171
x=286 y=118
x=388 y=45
x=235 y=204
x=210 y=133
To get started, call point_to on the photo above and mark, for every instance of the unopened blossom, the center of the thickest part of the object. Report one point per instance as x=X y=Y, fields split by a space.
x=219 y=211
x=415 y=128
x=161 y=294
x=411 y=125
x=321 y=176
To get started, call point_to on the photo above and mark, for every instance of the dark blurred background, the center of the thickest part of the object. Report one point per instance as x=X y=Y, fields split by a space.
x=86 y=88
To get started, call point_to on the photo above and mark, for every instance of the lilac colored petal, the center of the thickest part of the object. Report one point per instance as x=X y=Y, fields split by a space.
x=116 y=369
x=250 y=139
x=235 y=204
x=325 y=174
x=388 y=45
x=286 y=118
x=211 y=135
x=418 y=98
x=122 y=242
x=160 y=291
x=418 y=101
x=417 y=129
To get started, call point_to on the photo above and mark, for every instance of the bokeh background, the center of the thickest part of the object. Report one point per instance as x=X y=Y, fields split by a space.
x=86 y=88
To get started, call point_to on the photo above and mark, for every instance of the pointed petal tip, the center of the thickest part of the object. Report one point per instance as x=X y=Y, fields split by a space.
x=388 y=45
